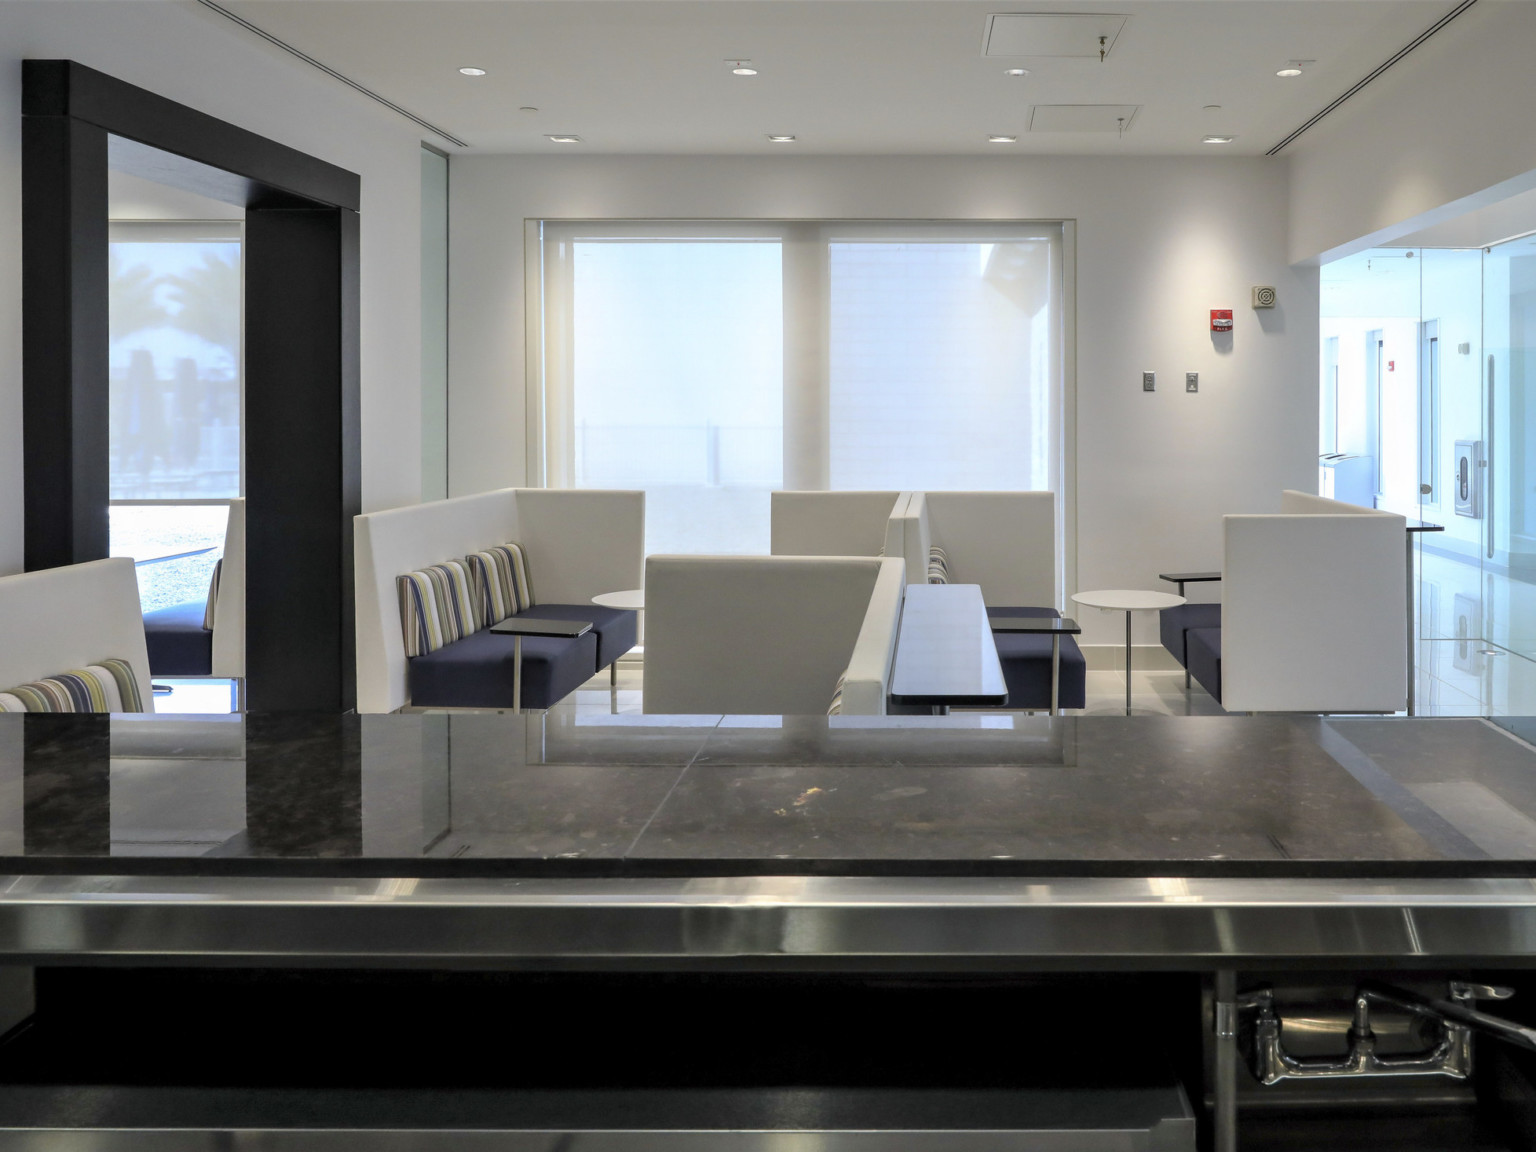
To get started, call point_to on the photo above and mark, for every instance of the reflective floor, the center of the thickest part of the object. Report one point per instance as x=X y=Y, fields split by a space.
x=1477 y=652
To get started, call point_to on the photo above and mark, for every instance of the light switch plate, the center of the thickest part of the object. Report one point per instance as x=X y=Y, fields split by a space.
x=1191 y=381
x=1149 y=381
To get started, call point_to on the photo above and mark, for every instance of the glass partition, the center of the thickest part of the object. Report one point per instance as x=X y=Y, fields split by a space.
x=1425 y=355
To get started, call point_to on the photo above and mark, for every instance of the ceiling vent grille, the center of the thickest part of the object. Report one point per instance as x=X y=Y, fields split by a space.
x=1082 y=36
x=1083 y=117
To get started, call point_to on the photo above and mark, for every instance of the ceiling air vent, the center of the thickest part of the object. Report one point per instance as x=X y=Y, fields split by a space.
x=1082 y=117
x=1077 y=35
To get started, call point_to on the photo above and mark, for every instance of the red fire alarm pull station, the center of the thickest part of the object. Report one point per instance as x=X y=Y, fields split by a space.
x=1221 y=319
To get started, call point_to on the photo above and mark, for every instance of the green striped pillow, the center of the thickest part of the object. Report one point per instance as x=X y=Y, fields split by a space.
x=836 y=707
x=213 y=597
x=502 y=583
x=938 y=566
x=109 y=686
x=435 y=607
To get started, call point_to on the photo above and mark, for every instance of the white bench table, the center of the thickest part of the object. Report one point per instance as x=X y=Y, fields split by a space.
x=945 y=655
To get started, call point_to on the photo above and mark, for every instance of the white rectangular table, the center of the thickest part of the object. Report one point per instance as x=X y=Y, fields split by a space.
x=944 y=650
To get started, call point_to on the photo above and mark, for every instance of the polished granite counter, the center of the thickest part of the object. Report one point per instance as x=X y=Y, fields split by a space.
x=498 y=795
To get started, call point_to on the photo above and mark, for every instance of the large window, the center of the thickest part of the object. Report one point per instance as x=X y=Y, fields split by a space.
x=175 y=383
x=710 y=364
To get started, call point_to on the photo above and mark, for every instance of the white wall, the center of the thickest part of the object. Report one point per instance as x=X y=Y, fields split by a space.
x=190 y=55
x=1159 y=243
x=1445 y=131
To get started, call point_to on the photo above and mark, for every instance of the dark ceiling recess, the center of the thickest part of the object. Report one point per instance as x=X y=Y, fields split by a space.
x=1377 y=71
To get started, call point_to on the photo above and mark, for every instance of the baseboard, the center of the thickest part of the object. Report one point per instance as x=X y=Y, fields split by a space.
x=1144 y=658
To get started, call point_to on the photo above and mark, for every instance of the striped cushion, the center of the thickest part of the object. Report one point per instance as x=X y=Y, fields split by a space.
x=436 y=607
x=836 y=707
x=938 y=566
x=502 y=583
x=213 y=597
x=109 y=686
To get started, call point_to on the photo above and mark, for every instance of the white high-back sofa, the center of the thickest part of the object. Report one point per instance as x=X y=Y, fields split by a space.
x=766 y=635
x=1003 y=541
x=580 y=543
x=831 y=523
x=1313 y=608
x=57 y=619
x=229 y=603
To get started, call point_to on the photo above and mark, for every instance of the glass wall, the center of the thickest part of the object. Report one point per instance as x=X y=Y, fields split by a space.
x=176 y=319
x=1426 y=359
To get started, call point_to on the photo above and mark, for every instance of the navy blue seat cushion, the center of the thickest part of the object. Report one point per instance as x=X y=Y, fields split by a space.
x=617 y=628
x=1175 y=622
x=178 y=643
x=476 y=672
x=1205 y=659
x=1026 y=661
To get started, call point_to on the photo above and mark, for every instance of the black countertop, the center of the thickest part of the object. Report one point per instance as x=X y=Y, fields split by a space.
x=561 y=795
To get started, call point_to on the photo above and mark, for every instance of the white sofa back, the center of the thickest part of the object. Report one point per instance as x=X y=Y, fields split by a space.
x=62 y=618
x=1003 y=541
x=766 y=635
x=229 y=604
x=830 y=523
x=1314 y=609
x=907 y=535
x=579 y=542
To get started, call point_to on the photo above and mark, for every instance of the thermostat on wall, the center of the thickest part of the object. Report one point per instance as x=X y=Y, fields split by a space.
x=1263 y=296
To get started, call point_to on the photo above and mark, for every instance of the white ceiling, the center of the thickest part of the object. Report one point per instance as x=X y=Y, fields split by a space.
x=845 y=76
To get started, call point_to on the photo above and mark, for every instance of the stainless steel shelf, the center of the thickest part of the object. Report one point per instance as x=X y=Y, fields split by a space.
x=765 y=921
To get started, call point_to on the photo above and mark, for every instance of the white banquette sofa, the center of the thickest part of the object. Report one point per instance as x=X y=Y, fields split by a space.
x=1312 y=619
x=206 y=637
x=578 y=543
x=1003 y=542
x=766 y=635
x=58 y=621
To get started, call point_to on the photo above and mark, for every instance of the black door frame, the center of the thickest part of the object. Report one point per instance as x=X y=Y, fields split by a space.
x=301 y=419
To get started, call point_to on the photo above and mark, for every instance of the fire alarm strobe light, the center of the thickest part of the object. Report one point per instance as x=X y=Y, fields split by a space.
x=1221 y=319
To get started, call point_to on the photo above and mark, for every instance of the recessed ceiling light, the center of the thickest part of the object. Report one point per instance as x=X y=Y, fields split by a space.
x=1015 y=71
x=1218 y=139
x=1002 y=139
x=742 y=68
x=782 y=139
x=1289 y=72
x=472 y=71
x=563 y=139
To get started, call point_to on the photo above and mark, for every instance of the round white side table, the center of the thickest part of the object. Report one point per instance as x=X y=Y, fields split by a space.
x=1128 y=600
x=632 y=599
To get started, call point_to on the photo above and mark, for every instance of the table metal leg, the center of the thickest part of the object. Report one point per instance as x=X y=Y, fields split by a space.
x=1412 y=670
x=613 y=674
x=1127 y=662
x=1225 y=1086
x=1055 y=673
x=517 y=672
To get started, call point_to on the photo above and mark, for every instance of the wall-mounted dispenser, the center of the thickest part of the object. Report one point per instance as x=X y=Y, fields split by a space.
x=1467 y=480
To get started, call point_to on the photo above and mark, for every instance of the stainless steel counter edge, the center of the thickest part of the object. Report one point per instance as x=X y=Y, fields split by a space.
x=408 y=920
